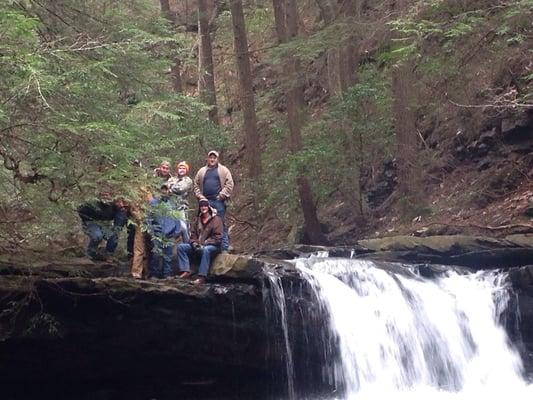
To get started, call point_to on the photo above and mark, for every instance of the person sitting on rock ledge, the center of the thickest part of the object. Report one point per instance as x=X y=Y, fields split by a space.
x=215 y=183
x=206 y=240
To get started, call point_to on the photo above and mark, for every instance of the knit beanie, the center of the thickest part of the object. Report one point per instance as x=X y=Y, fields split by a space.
x=183 y=164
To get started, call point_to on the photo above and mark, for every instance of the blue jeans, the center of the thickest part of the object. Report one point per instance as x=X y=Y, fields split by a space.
x=220 y=206
x=185 y=250
x=97 y=233
x=161 y=258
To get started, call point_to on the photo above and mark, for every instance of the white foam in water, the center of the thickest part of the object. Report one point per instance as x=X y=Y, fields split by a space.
x=406 y=338
x=279 y=298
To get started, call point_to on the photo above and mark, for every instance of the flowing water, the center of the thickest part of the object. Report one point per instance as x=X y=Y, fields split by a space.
x=278 y=296
x=401 y=336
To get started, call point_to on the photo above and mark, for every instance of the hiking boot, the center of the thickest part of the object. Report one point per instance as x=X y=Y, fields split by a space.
x=184 y=275
x=200 y=280
x=228 y=250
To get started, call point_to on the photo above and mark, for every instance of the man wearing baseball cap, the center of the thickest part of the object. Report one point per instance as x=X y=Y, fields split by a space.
x=215 y=183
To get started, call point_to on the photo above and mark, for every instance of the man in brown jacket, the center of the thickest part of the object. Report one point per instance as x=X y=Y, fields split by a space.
x=215 y=183
x=206 y=239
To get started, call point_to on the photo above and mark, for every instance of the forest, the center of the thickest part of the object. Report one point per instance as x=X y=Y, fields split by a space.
x=379 y=192
x=339 y=119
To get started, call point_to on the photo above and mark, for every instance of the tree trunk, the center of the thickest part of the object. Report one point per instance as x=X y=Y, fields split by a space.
x=328 y=14
x=405 y=129
x=286 y=17
x=253 y=145
x=165 y=10
x=341 y=61
x=349 y=53
x=206 y=74
x=403 y=81
x=175 y=69
x=279 y=18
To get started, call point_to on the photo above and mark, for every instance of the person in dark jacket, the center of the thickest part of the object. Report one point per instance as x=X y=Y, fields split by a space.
x=102 y=220
x=164 y=226
x=206 y=241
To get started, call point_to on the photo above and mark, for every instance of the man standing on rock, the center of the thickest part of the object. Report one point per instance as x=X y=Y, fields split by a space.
x=215 y=183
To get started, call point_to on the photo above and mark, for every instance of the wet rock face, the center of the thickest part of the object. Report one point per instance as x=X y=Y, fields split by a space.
x=522 y=280
x=115 y=333
x=103 y=335
x=92 y=329
x=116 y=337
x=520 y=321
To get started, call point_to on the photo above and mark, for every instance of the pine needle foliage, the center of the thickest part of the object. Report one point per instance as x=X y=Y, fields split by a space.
x=84 y=91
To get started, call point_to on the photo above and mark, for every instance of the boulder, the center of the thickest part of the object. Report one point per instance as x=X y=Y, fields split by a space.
x=517 y=128
x=234 y=266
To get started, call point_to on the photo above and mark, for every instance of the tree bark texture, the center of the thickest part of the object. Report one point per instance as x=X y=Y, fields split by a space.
x=206 y=74
x=405 y=129
x=286 y=17
x=165 y=10
x=253 y=143
x=403 y=82
x=349 y=53
x=175 y=69
x=279 y=18
x=341 y=61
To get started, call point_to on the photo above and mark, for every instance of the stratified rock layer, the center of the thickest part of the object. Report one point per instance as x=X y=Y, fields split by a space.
x=76 y=329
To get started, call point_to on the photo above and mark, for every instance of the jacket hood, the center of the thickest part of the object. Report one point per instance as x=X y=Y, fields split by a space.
x=212 y=211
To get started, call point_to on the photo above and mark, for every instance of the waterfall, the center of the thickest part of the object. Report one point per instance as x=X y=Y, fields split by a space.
x=403 y=336
x=277 y=296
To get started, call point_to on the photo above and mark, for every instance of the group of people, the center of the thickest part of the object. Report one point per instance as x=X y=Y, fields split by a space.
x=157 y=222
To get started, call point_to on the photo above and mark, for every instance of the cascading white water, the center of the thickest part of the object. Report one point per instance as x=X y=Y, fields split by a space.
x=278 y=296
x=402 y=336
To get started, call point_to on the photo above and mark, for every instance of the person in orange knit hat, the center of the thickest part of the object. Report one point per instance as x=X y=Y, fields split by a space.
x=181 y=186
